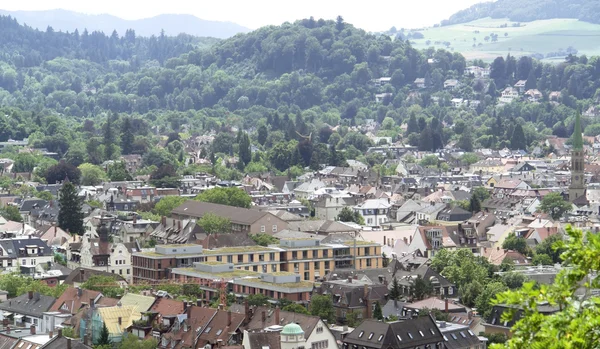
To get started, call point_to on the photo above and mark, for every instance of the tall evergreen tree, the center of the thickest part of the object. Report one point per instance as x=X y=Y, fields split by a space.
x=474 y=204
x=426 y=141
x=413 y=125
x=378 y=312
x=395 y=291
x=263 y=133
x=104 y=338
x=127 y=137
x=109 y=139
x=70 y=217
x=518 y=139
x=245 y=153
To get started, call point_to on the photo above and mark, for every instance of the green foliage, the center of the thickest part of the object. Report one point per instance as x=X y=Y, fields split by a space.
x=296 y=308
x=107 y=285
x=541 y=259
x=61 y=172
x=551 y=247
x=474 y=204
x=70 y=216
x=264 y=239
x=395 y=290
x=513 y=280
x=429 y=161
x=481 y=193
x=69 y=332
x=555 y=205
x=117 y=172
x=58 y=258
x=11 y=213
x=512 y=242
x=131 y=341
x=489 y=292
x=575 y=324
x=461 y=267
x=167 y=204
x=226 y=196
x=377 y=312
x=91 y=174
x=469 y=158
x=436 y=313
x=104 y=338
x=213 y=224
x=347 y=214
x=421 y=288
x=257 y=299
x=352 y=318
x=322 y=306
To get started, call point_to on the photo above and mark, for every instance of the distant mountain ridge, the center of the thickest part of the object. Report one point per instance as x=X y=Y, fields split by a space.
x=529 y=10
x=173 y=24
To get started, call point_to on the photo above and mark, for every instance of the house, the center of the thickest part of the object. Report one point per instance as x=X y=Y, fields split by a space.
x=419 y=83
x=430 y=239
x=118 y=321
x=520 y=85
x=354 y=296
x=81 y=275
x=382 y=81
x=428 y=212
x=487 y=166
x=73 y=299
x=554 y=96
x=508 y=95
x=61 y=342
x=329 y=206
x=421 y=332
x=374 y=211
x=132 y=162
x=497 y=256
x=29 y=205
x=444 y=305
x=495 y=324
x=592 y=112
x=477 y=72
x=31 y=309
x=460 y=336
x=451 y=84
x=454 y=214
x=141 y=194
x=457 y=102
x=534 y=95
x=242 y=219
x=175 y=231
x=24 y=252
x=307 y=189
x=380 y=97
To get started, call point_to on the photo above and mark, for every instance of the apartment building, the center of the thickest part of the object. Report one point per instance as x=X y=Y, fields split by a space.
x=307 y=257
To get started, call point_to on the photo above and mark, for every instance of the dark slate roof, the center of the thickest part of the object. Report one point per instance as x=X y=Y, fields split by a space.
x=30 y=204
x=402 y=334
x=36 y=306
x=61 y=343
x=461 y=338
x=23 y=243
x=260 y=340
x=495 y=317
x=352 y=294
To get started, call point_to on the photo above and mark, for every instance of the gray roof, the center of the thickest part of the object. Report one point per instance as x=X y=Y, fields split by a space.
x=36 y=306
x=61 y=343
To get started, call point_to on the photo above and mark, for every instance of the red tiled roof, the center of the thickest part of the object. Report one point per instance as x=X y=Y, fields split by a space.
x=167 y=307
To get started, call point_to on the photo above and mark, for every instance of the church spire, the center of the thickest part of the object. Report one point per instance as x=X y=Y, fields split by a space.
x=577 y=137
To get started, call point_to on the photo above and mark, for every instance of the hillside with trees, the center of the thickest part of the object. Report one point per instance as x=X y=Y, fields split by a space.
x=279 y=98
x=529 y=10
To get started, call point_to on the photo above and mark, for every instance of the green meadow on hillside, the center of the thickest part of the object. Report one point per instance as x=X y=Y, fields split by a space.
x=549 y=38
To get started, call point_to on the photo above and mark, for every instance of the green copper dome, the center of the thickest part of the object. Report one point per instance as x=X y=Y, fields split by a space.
x=292 y=329
x=577 y=137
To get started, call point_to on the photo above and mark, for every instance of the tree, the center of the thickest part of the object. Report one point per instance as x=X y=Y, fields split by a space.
x=264 y=239
x=165 y=176
x=70 y=216
x=107 y=285
x=167 y=204
x=481 y=193
x=474 y=204
x=551 y=248
x=461 y=267
x=91 y=174
x=465 y=141
x=117 y=172
x=127 y=137
x=104 y=338
x=515 y=243
x=257 y=299
x=469 y=158
x=469 y=292
x=62 y=171
x=518 y=141
x=395 y=291
x=213 y=224
x=555 y=205
x=11 y=213
x=347 y=214
x=377 y=312
x=69 y=332
x=131 y=341
x=322 y=306
x=513 y=280
x=296 y=308
x=109 y=139
x=541 y=259
x=245 y=155
x=262 y=135
x=420 y=288
x=575 y=323
x=489 y=292
x=226 y=196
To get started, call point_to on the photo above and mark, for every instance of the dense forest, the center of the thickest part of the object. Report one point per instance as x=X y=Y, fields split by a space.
x=303 y=92
x=529 y=10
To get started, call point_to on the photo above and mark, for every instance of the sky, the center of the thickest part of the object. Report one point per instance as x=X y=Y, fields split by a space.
x=369 y=15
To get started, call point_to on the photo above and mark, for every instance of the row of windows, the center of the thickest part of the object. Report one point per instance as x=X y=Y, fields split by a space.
x=263 y=229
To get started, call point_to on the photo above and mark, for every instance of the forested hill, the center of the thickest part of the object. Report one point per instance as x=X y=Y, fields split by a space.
x=530 y=10
x=28 y=47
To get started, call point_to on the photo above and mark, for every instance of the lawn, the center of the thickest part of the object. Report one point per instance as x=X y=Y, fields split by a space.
x=541 y=37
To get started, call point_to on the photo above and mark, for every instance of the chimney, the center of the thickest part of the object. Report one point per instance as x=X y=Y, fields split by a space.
x=349 y=279
x=68 y=343
x=5 y=322
x=470 y=315
x=410 y=240
x=120 y=320
x=385 y=241
x=369 y=308
x=199 y=302
x=163 y=221
x=32 y=329
x=539 y=219
x=8 y=329
x=264 y=316
x=446 y=306
x=92 y=303
x=277 y=316
x=221 y=306
x=246 y=311
x=179 y=225
x=50 y=334
x=366 y=291
x=134 y=218
x=229 y=317
x=86 y=339
x=79 y=292
x=54 y=224
x=60 y=332
x=30 y=294
x=498 y=248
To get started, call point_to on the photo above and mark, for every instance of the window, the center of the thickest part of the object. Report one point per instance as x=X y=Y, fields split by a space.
x=316 y=265
x=24 y=262
x=273 y=268
x=380 y=338
x=368 y=262
x=304 y=254
x=271 y=256
x=262 y=229
x=361 y=334
x=327 y=265
x=274 y=228
x=314 y=254
x=306 y=275
x=371 y=335
x=453 y=335
x=127 y=271
x=306 y=266
x=219 y=258
x=229 y=259
x=421 y=333
x=410 y=335
x=120 y=271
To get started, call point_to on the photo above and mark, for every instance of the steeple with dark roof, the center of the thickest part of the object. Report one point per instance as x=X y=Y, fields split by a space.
x=577 y=135
x=577 y=187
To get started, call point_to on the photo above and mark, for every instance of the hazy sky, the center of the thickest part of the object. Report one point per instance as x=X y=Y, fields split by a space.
x=369 y=15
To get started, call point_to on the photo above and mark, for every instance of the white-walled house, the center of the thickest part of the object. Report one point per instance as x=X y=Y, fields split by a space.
x=32 y=309
x=24 y=251
x=374 y=211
